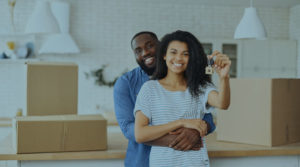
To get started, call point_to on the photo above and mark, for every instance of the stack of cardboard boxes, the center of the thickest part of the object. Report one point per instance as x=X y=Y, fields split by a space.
x=262 y=112
x=50 y=122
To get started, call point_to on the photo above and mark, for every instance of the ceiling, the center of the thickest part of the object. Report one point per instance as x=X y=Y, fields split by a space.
x=256 y=3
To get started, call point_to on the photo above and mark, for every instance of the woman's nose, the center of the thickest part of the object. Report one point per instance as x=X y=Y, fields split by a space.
x=179 y=57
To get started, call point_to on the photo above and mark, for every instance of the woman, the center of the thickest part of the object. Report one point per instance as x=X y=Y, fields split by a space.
x=179 y=96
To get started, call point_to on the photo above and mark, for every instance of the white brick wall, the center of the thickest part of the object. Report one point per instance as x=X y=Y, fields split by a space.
x=295 y=31
x=103 y=29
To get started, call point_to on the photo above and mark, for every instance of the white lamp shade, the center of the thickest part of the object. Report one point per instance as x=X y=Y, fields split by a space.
x=42 y=20
x=59 y=43
x=61 y=11
x=250 y=26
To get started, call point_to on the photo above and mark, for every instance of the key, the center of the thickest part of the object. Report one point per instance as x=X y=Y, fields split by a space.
x=209 y=70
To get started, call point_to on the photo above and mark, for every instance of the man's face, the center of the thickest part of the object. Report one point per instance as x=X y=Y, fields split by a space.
x=144 y=48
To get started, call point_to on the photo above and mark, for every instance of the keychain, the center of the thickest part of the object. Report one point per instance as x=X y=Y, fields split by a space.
x=209 y=70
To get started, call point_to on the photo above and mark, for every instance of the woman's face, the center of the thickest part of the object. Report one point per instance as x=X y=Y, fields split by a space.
x=177 y=57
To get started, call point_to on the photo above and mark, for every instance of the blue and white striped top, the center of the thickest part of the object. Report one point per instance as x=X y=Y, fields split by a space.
x=162 y=106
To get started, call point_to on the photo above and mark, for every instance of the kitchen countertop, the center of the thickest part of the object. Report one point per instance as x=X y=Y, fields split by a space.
x=117 y=145
x=109 y=116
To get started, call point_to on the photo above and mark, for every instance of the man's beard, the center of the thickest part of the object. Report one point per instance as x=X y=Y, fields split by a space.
x=148 y=71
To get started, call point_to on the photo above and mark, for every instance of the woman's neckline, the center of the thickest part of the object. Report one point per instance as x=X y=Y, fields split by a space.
x=173 y=91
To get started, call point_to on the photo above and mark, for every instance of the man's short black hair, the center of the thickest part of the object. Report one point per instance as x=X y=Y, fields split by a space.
x=152 y=34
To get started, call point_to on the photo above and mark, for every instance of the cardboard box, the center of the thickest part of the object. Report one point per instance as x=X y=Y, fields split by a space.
x=262 y=112
x=38 y=88
x=38 y=134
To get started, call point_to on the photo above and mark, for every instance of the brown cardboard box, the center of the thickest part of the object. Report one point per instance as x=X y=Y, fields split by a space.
x=38 y=88
x=37 y=134
x=52 y=88
x=262 y=111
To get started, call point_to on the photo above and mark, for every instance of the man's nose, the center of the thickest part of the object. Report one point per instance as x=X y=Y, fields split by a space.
x=145 y=52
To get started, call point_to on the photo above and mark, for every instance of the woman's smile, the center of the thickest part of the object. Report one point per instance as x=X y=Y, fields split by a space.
x=177 y=57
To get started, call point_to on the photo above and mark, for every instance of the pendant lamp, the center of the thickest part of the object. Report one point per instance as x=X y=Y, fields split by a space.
x=250 y=26
x=62 y=42
x=42 y=20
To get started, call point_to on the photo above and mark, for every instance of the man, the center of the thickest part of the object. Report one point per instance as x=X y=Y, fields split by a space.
x=127 y=87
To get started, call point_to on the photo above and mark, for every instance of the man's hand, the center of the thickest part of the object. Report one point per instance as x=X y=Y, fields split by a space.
x=198 y=145
x=182 y=139
x=187 y=139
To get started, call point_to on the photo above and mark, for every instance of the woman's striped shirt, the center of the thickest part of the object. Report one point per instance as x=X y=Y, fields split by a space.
x=162 y=106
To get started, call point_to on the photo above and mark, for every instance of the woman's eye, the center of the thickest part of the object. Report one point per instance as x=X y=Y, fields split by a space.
x=186 y=53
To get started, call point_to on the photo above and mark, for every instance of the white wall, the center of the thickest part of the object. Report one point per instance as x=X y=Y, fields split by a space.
x=103 y=29
x=295 y=30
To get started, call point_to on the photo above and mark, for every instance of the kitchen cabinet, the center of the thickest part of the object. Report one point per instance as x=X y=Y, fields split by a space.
x=256 y=58
x=5 y=130
x=222 y=154
x=266 y=161
x=268 y=58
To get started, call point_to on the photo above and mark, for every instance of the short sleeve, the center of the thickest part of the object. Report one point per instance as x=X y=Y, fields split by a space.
x=143 y=101
x=208 y=108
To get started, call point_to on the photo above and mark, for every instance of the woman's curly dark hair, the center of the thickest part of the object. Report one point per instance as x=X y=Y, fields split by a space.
x=195 y=72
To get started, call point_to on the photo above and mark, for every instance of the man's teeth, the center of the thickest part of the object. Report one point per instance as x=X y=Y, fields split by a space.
x=178 y=65
x=148 y=60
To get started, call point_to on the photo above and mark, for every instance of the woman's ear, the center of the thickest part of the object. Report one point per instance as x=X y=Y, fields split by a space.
x=164 y=57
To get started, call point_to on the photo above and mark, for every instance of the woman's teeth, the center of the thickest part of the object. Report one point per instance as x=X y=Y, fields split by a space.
x=177 y=65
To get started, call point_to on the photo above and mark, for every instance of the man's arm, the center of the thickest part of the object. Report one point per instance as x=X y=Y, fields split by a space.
x=124 y=108
x=208 y=118
x=124 y=113
x=185 y=139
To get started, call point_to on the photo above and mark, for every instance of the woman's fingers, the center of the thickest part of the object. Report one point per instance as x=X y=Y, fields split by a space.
x=210 y=57
x=202 y=129
x=197 y=124
x=221 y=61
x=215 y=53
x=204 y=126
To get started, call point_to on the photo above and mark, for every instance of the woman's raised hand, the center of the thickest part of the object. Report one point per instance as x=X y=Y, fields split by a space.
x=222 y=64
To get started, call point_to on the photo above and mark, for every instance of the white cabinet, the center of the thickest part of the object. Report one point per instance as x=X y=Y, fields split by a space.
x=268 y=58
x=258 y=161
x=4 y=131
x=283 y=58
x=257 y=58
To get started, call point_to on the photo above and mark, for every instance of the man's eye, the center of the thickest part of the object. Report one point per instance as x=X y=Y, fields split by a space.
x=137 y=51
x=149 y=46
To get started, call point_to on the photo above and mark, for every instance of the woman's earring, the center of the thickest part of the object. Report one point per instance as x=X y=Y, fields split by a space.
x=208 y=69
